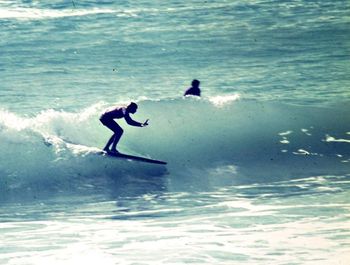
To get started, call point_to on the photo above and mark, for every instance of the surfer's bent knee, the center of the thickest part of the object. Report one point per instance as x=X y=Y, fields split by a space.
x=119 y=130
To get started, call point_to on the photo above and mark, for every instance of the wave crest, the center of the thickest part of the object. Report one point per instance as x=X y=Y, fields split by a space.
x=245 y=141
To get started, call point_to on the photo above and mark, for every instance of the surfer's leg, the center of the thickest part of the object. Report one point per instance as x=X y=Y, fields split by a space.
x=118 y=131
x=110 y=141
x=118 y=134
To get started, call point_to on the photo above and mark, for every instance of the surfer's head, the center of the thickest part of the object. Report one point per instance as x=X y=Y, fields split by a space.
x=132 y=108
x=195 y=83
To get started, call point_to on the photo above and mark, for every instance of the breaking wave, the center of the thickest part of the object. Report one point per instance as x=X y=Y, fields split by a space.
x=206 y=142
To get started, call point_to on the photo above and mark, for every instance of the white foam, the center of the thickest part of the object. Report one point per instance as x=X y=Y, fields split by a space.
x=220 y=101
x=36 y=13
x=332 y=139
x=284 y=141
x=12 y=121
x=285 y=133
x=306 y=131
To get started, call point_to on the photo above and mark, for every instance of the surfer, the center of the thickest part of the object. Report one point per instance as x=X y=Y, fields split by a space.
x=107 y=120
x=194 y=90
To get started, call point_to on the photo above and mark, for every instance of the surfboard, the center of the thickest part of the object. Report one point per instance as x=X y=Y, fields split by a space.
x=135 y=158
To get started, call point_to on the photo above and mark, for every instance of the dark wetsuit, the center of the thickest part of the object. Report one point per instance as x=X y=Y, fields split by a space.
x=107 y=120
x=108 y=117
x=195 y=91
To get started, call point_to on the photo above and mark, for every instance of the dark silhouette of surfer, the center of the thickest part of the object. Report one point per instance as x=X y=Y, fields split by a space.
x=194 y=90
x=107 y=120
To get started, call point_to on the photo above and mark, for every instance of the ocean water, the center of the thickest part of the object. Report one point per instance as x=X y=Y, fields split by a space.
x=258 y=168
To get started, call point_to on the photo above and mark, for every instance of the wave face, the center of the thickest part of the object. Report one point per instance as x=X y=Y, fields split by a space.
x=207 y=143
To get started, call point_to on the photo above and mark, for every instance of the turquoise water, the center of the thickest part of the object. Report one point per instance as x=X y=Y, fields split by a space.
x=258 y=168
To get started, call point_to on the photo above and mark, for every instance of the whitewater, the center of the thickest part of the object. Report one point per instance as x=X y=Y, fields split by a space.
x=257 y=168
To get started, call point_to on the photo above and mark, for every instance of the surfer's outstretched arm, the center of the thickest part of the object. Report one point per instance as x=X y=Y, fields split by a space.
x=132 y=122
